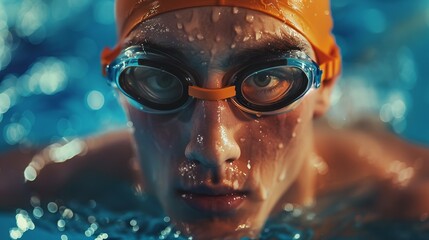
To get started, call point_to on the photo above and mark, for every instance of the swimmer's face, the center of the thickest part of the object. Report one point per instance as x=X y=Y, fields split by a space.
x=216 y=170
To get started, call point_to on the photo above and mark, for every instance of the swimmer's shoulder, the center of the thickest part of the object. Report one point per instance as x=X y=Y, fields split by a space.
x=42 y=172
x=369 y=152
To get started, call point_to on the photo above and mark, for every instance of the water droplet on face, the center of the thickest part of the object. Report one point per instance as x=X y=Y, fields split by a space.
x=179 y=26
x=293 y=134
x=215 y=15
x=248 y=165
x=235 y=185
x=235 y=10
x=242 y=139
x=281 y=146
x=191 y=38
x=250 y=18
x=298 y=120
x=218 y=38
x=246 y=38
x=200 y=36
x=258 y=115
x=282 y=176
x=264 y=193
x=258 y=35
x=238 y=29
x=320 y=164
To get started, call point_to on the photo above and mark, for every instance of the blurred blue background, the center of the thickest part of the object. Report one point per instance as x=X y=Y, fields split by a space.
x=51 y=87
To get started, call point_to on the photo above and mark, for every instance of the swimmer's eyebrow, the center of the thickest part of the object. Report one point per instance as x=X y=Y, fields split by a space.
x=268 y=47
x=171 y=51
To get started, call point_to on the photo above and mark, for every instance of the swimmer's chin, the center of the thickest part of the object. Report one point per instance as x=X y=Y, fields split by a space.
x=221 y=229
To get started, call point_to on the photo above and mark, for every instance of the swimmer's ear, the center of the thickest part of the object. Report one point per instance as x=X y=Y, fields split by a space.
x=323 y=97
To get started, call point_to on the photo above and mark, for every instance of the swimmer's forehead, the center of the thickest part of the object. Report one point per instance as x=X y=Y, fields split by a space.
x=225 y=29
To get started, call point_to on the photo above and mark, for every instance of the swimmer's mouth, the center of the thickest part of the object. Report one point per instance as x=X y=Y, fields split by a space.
x=213 y=200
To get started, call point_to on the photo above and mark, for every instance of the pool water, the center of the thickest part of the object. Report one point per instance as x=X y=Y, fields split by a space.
x=50 y=85
x=104 y=217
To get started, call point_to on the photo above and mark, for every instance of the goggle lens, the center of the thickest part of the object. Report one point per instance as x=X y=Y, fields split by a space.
x=152 y=84
x=272 y=85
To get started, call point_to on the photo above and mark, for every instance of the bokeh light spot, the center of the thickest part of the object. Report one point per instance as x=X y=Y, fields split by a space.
x=4 y=103
x=14 y=133
x=95 y=100
x=30 y=173
x=375 y=21
x=103 y=12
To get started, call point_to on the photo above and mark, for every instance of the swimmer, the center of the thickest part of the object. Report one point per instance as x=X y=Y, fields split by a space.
x=226 y=99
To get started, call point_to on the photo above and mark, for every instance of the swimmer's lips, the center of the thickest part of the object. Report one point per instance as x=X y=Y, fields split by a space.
x=213 y=200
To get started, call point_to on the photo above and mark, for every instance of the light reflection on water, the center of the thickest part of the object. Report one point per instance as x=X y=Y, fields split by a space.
x=50 y=85
x=95 y=219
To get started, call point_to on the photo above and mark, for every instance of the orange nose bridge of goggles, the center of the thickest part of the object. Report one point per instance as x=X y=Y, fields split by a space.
x=211 y=94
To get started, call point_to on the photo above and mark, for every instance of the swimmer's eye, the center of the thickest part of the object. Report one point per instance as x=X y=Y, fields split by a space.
x=272 y=85
x=152 y=84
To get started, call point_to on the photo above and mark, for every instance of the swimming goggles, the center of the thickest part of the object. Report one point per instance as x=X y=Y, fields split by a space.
x=155 y=82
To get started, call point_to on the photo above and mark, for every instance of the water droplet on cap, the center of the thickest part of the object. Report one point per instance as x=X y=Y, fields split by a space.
x=250 y=18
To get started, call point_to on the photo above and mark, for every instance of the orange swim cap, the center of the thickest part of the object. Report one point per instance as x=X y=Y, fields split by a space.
x=311 y=18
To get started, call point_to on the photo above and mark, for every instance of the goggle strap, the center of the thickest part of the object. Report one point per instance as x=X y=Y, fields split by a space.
x=108 y=55
x=330 y=65
x=211 y=94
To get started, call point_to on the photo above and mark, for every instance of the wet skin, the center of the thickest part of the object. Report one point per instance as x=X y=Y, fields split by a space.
x=212 y=164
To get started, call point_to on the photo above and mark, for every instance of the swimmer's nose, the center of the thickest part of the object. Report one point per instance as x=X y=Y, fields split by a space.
x=212 y=142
